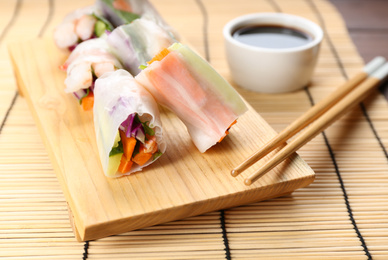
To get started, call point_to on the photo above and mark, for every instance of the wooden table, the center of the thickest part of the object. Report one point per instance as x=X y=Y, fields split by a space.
x=342 y=215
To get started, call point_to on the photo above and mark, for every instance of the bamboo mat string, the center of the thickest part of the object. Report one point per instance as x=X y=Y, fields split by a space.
x=225 y=236
x=205 y=26
x=12 y=20
x=205 y=19
x=86 y=250
x=9 y=110
x=275 y=6
x=48 y=19
x=341 y=67
x=373 y=128
x=2 y=36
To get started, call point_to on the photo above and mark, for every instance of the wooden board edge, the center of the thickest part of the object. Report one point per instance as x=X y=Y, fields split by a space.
x=120 y=226
x=73 y=225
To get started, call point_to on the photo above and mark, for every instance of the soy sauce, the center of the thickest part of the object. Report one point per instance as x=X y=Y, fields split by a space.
x=271 y=36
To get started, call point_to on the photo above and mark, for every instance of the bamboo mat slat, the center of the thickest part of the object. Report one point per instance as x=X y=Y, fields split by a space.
x=342 y=215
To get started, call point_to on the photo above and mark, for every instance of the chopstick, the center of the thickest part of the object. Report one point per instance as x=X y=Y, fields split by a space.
x=317 y=118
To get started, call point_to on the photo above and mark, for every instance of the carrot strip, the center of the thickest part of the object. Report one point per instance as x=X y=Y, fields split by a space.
x=234 y=122
x=142 y=157
x=159 y=56
x=146 y=151
x=125 y=165
x=129 y=144
x=222 y=138
x=88 y=101
x=227 y=132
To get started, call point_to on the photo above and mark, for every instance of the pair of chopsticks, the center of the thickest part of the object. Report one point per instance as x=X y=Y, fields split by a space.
x=318 y=118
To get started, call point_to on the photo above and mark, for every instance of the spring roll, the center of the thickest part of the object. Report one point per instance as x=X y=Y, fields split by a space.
x=127 y=124
x=89 y=60
x=206 y=103
x=136 y=43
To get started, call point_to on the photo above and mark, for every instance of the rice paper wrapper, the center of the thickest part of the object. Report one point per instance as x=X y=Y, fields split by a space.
x=116 y=96
x=189 y=86
x=138 y=42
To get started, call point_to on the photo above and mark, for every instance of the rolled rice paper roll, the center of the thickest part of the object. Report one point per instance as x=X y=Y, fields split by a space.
x=188 y=85
x=136 y=43
x=117 y=98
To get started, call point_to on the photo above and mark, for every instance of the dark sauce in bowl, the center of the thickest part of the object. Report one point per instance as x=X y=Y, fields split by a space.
x=271 y=36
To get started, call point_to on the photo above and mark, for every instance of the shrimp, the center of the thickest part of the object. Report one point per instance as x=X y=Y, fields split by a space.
x=102 y=67
x=75 y=27
x=84 y=27
x=64 y=35
x=80 y=76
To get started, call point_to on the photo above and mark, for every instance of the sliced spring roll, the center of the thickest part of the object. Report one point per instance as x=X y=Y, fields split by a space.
x=182 y=81
x=89 y=60
x=127 y=124
x=80 y=25
x=136 y=43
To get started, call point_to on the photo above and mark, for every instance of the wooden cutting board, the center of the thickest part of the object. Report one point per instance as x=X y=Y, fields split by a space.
x=182 y=183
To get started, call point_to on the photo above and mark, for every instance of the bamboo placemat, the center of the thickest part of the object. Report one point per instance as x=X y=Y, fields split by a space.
x=342 y=215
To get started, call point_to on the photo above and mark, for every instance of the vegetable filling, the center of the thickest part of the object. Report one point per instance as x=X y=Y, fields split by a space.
x=137 y=143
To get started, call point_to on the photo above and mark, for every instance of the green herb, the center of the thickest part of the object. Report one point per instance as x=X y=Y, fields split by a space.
x=116 y=150
x=127 y=16
x=142 y=67
x=101 y=25
x=136 y=149
x=99 y=28
x=137 y=119
x=156 y=155
x=148 y=130
x=86 y=94
x=93 y=73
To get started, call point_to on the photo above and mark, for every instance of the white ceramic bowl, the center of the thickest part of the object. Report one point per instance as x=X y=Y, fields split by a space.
x=271 y=70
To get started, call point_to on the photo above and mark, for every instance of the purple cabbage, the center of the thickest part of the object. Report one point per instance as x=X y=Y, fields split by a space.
x=81 y=93
x=132 y=127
